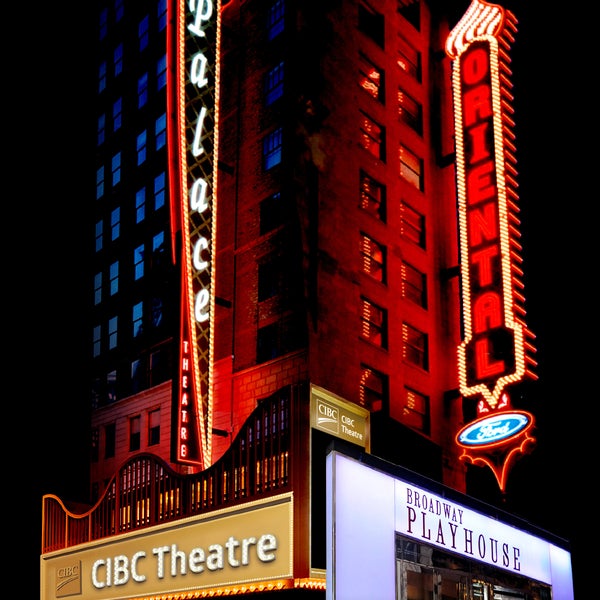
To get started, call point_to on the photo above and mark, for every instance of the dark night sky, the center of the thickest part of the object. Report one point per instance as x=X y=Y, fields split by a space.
x=51 y=169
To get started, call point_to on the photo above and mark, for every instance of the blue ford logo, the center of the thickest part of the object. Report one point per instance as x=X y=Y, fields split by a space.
x=493 y=429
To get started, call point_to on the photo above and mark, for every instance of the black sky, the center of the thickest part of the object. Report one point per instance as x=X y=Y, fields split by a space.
x=51 y=175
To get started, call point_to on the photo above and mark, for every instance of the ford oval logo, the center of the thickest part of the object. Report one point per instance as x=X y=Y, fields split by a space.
x=493 y=429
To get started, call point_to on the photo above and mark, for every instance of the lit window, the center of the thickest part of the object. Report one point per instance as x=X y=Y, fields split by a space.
x=97 y=288
x=113 y=271
x=162 y=14
x=140 y=205
x=119 y=10
x=371 y=79
x=272 y=149
x=373 y=390
x=373 y=323
x=142 y=90
x=274 y=84
x=138 y=262
x=143 y=32
x=99 y=234
x=409 y=59
x=137 y=318
x=141 y=147
x=159 y=191
x=412 y=225
x=414 y=285
x=100 y=182
x=372 y=196
x=101 y=128
x=410 y=111
x=161 y=72
x=115 y=223
x=373 y=258
x=372 y=136
x=117 y=114
x=276 y=15
x=102 y=77
x=118 y=60
x=116 y=168
x=112 y=332
x=160 y=131
x=415 y=346
x=96 y=341
x=415 y=412
x=411 y=167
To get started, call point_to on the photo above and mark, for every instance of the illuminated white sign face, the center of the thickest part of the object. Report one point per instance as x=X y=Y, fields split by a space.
x=370 y=507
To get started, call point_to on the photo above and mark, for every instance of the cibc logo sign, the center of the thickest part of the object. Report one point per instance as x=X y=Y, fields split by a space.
x=328 y=417
x=67 y=579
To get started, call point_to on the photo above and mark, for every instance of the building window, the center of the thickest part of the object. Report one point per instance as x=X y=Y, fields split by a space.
x=141 y=144
x=115 y=224
x=160 y=131
x=113 y=276
x=371 y=79
x=138 y=318
x=271 y=213
x=269 y=279
x=117 y=114
x=140 y=205
x=411 y=167
x=373 y=323
x=373 y=258
x=118 y=60
x=142 y=90
x=158 y=249
x=415 y=346
x=409 y=59
x=116 y=168
x=276 y=18
x=412 y=225
x=415 y=412
x=414 y=285
x=100 y=183
x=157 y=312
x=154 y=427
x=102 y=77
x=101 y=129
x=97 y=288
x=138 y=376
x=373 y=390
x=112 y=332
x=372 y=136
x=99 y=229
x=119 y=9
x=110 y=430
x=143 y=35
x=96 y=341
x=138 y=262
x=135 y=438
x=272 y=149
x=371 y=23
x=159 y=191
x=162 y=14
x=410 y=111
x=372 y=196
x=411 y=11
x=279 y=338
x=160 y=369
x=95 y=445
x=274 y=84
x=111 y=387
x=103 y=23
x=161 y=72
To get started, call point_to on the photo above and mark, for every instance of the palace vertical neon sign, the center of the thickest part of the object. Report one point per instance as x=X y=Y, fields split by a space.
x=496 y=350
x=193 y=143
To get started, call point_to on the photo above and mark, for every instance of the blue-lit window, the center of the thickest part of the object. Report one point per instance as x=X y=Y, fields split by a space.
x=101 y=128
x=100 y=182
x=272 y=149
x=118 y=60
x=96 y=340
x=97 y=288
x=141 y=147
x=99 y=234
x=138 y=314
x=158 y=243
x=162 y=14
x=102 y=77
x=143 y=36
x=159 y=191
x=117 y=114
x=116 y=168
x=119 y=10
x=276 y=18
x=103 y=23
x=113 y=275
x=115 y=223
x=138 y=262
x=274 y=84
x=160 y=131
x=142 y=90
x=161 y=72
x=140 y=205
x=112 y=332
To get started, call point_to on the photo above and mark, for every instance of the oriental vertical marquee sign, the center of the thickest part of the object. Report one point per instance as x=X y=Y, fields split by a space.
x=496 y=350
x=193 y=144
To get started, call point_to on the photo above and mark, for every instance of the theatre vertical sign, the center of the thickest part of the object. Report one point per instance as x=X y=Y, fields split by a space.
x=496 y=351
x=193 y=144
